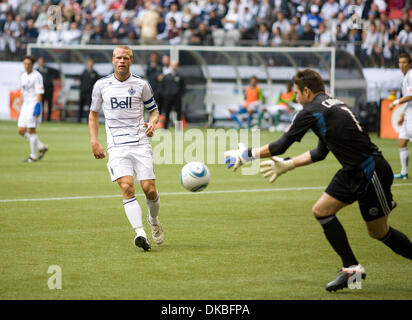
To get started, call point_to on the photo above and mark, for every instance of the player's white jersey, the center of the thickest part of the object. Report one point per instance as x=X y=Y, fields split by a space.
x=123 y=106
x=31 y=85
x=407 y=91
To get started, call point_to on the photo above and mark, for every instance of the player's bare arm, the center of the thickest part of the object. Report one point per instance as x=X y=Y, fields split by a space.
x=400 y=101
x=151 y=125
x=97 y=149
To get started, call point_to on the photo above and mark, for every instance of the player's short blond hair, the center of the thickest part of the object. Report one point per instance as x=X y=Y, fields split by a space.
x=124 y=48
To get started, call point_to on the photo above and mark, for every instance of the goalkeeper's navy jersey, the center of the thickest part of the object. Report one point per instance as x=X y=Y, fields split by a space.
x=337 y=128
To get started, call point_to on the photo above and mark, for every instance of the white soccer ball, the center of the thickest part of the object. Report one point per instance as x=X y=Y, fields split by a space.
x=195 y=176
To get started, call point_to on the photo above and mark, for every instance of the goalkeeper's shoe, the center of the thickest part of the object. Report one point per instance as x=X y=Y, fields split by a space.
x=43 y=151
x=345 y=276
x=141 y=241
x=30 y=159
x=157 y=231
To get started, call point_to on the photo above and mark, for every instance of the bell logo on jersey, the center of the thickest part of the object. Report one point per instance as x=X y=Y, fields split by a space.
x=125 y=103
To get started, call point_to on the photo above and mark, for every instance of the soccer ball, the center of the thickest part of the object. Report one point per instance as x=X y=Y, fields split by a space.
x=195 y=176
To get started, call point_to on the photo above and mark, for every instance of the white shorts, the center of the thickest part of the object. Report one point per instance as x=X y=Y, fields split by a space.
x=137 y=159
x=26 y=118
x=405 y=131
x=276 y=109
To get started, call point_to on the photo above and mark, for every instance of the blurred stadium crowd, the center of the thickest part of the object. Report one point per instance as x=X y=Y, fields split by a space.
x=381 y=32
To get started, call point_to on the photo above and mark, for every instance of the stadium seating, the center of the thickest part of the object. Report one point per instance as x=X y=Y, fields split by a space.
x=15 y=34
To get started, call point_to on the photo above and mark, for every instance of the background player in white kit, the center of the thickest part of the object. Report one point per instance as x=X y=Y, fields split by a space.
x=123 y=97
x=405 y=119
x=30 y=111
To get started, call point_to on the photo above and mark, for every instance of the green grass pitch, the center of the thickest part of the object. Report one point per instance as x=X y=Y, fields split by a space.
x=237 y=245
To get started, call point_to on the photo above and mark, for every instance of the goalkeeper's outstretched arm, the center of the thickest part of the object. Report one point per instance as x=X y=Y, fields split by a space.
x=236 y=158
x=275 y=167
x=280 y=146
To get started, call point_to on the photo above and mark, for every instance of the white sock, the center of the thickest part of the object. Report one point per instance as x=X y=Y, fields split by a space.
x=404 y=155
x=40 y=145
x=133 y=213
x=33 y=139
x=154 y=206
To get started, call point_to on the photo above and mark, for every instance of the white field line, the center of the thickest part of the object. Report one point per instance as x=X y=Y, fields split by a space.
x=185 y=193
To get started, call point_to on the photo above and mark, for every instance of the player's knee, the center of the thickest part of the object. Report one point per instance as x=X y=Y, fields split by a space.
x=320 y=211
x=150 y=192
x=21 y=131
x=127 y=189
x=378 y=233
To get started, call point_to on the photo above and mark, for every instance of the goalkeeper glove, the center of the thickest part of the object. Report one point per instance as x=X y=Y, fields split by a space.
x=236 y=158
x=272 y=169
x=37 y=109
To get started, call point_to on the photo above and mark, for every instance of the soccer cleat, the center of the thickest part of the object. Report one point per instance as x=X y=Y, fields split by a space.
x=157 y=231
x=344 y=277
x=142 y=242
x=42 y=151
x=400 y=176
x=29 y=159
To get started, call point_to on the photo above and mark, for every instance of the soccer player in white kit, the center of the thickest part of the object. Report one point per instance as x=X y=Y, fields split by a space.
x=405 y=119
x=30 y=112
x=123 y=97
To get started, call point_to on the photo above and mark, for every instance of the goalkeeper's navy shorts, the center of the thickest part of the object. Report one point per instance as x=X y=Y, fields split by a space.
x=370 y=186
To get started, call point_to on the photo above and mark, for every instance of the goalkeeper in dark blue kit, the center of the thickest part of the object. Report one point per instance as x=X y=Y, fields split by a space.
x=365 y=176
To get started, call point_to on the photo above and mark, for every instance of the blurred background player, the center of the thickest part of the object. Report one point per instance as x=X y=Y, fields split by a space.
x=49 y=74
x=30 y=111
x=153 y=70
x=251 y=105
x=405 y=119
x=165 y=69
x=87 y=80
x=173 y=88
x=365 y=177
x=286 y=104
x=123 y=97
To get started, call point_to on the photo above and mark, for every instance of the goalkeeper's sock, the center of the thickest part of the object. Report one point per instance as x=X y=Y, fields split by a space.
x=236 y=118
x=33 y=139
x=153 y=206
x=404 y=156
x=336 y=236
x=398 y=242
x=133 y=213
